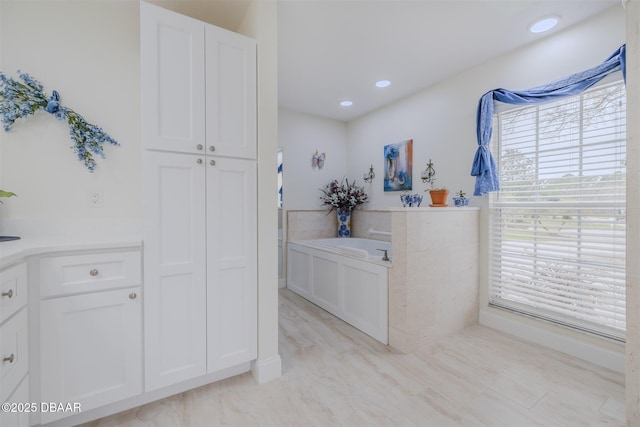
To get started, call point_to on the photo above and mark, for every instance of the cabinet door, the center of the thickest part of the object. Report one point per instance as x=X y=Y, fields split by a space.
x=172 y=80
x=14 y=352
x=231 y=262
x=20 y=396
x=91 y=349
x=174 y=267
x=13 y=290
x=231 y=93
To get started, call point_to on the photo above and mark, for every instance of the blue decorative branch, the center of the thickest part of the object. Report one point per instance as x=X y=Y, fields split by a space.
x=20 y=99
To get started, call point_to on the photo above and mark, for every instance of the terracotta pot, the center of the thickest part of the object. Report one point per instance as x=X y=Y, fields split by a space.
x=438 y=198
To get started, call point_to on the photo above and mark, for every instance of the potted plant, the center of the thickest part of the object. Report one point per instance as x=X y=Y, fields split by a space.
x=438 y=195
x=6 y=194
x=460 y=199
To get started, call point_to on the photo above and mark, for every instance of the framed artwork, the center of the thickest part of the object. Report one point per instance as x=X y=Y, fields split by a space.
x=398 y=164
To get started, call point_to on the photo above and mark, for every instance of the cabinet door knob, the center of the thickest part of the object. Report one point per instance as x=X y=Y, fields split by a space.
x=9 y=359
x=212 y=148
x=133 y=295
x=9 y=293
x=199 y=161
x=212 y=162
x=93 y=272
x=199 y=146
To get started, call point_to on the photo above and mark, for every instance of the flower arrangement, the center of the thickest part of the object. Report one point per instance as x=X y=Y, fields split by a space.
x=343 y=195
x=20 y=99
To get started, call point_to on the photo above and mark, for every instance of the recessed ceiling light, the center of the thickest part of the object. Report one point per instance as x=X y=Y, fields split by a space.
x=544 y=24
x=346 y=104
x=383 y=83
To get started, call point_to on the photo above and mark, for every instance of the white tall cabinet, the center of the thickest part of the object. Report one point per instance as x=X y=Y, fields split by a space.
x=200 y=197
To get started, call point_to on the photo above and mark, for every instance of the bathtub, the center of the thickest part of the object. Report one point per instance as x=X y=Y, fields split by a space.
x=368 y=249
x=345 y=276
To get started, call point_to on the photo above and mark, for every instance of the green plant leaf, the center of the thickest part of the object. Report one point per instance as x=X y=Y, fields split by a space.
x=7 y=193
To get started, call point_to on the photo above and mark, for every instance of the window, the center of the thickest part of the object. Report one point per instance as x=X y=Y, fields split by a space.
x=557 y=226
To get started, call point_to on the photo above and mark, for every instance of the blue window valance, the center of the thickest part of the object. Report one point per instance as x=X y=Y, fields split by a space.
x=484 y=168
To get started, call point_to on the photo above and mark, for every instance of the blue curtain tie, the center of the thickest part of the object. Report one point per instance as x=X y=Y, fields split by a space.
x=483 y=167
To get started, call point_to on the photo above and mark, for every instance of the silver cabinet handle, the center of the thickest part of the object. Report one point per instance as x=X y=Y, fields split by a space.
x=212 y=162
x=93 y=272
x=9 y=359
x=199 y=161
x=199 y=146
x=9 y=293
x=212 y=148
x=133 y=295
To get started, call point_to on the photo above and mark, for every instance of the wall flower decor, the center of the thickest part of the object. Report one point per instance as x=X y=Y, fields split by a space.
x=20 y=99
x=317 y=160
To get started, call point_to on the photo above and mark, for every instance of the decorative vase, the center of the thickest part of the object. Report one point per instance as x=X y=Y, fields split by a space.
x=438 y=198
x=461 y=201
x=344 y=222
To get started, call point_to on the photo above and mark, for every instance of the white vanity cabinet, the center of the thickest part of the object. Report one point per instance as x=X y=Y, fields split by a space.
x=14 y=356
x=200 y=197
x=198 y=86
x=90 y=329
x=200 y=265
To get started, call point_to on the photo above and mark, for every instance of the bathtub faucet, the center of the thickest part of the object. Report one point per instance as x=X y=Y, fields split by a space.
x=385 y=257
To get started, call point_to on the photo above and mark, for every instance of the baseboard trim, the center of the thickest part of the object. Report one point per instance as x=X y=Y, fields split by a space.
x=599 y=355
x=265 y=370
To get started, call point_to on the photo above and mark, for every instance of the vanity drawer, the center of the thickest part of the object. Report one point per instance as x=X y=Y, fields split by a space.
x=13 y=290
x=14 y=359
x=62 y=275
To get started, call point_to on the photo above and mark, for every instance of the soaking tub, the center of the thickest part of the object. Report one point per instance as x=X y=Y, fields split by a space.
x=346 y=277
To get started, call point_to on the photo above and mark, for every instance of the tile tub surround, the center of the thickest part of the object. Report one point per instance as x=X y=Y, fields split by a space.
x=433 y=284
x=317 y=224
x=335 y=375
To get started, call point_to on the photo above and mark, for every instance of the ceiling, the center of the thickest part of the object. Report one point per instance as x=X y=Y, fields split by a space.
x=222 y=13
x=334 y=50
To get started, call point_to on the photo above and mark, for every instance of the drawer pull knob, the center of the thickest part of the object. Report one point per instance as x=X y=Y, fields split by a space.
x=133 y=295
x=9 y=293
x=9 y=359
x=212 y=148
x=212 y=162
x=199 y=161
x=93 y=272
x=199 y=146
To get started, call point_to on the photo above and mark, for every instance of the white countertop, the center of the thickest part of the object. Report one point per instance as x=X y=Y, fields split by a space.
x=16 y=250
x=434 y=209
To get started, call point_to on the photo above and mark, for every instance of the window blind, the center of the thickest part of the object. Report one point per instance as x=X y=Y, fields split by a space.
x=557 y=227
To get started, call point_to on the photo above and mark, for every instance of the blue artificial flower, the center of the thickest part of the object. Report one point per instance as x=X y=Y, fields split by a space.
x=19 y=100
x=54 y=103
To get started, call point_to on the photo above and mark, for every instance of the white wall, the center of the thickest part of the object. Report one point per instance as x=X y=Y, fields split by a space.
x=300 y=135
x=441 y=119
x=261 y=23
x=89 y=53
x=633 y=214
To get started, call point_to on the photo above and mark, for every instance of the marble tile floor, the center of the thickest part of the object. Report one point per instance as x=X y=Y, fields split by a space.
x=334 y=375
